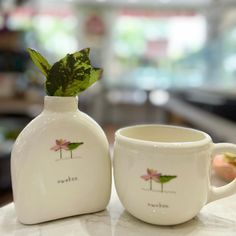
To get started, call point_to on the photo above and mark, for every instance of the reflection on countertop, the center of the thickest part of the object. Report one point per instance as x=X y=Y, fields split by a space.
x=217 y=218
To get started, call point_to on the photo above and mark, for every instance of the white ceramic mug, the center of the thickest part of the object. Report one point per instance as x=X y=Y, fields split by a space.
x=162 y=173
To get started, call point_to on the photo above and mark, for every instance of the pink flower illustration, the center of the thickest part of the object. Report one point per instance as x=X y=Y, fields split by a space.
x=151 y=175
x=157 y=177
x=61 y=144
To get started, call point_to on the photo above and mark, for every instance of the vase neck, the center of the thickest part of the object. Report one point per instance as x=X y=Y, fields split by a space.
x=60 y=104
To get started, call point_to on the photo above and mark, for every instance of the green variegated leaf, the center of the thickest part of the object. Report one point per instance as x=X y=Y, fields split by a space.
x=39 y=61
x=72 y=75
x=230 y=158
x=73 y=146
x=166 y=178
x=69 y=76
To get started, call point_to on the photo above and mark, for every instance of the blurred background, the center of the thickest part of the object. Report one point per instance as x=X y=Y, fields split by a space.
x=165 y=61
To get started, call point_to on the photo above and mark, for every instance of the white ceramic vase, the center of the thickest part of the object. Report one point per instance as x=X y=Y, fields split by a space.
x=60 y=164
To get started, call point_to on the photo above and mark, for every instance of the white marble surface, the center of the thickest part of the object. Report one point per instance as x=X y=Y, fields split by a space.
x=217 y=218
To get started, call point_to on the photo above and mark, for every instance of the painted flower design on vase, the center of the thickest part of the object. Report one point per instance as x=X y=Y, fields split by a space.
x=73 y=146
x=63 y=144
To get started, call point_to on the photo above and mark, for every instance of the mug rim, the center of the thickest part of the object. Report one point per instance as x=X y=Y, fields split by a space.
x=122 y=139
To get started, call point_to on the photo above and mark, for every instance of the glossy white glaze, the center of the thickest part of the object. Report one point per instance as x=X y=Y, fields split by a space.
x=180 y=153
x=49 y=184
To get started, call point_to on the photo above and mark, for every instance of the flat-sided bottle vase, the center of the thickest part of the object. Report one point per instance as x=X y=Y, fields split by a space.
x=60 y=164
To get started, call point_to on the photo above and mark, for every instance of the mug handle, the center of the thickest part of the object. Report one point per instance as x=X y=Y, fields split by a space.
x=228 y=189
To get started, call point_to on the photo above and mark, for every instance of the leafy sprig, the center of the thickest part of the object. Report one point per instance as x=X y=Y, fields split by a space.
x=69 y=76
x=230 y=158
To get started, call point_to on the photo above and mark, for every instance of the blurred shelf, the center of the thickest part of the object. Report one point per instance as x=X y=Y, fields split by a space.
x=218 y=127
x=20 y=107
x=5 y=197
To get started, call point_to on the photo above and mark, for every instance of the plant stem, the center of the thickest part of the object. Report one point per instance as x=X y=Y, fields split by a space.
x=60 y=154
x=71 y=154
x=162 y=187
x=151 y=184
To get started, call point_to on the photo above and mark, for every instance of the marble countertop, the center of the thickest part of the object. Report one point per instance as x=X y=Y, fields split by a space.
x=217 y=218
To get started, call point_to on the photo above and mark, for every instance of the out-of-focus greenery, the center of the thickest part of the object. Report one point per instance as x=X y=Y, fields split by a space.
x=11 y=134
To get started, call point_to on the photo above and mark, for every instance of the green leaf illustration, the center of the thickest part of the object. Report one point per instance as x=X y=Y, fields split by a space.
x=39 y=61
x=166 y=178
x=72 y=75
x=73 y=146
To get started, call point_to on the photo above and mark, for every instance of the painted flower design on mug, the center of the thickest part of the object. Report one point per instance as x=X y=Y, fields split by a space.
x=153 y=175
x=63 y=144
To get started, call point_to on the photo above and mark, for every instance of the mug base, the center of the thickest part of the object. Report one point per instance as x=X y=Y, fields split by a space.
x=162 y=222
